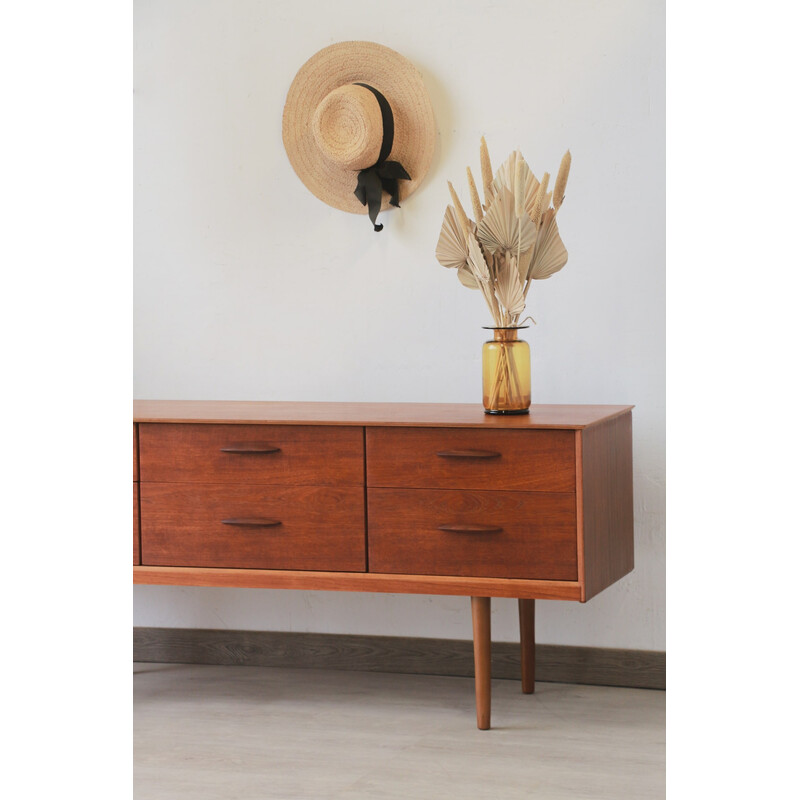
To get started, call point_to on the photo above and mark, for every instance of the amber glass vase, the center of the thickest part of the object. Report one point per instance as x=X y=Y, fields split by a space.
x=506 y=373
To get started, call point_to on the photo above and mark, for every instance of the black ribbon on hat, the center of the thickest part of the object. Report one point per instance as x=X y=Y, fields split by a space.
x=383 y=175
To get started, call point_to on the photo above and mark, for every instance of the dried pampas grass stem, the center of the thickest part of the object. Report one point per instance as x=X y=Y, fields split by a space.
x=561 y=181
x=544 y=198
x=486 y=173
x=474 y=197
x=519 y=188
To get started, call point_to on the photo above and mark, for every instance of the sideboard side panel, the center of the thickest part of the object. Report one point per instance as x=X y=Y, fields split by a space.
x=136 y=451
x=137 y=556
x=607 y=490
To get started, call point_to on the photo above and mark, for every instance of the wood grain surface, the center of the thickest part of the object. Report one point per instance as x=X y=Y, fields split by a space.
x=321 y=528
x=536 y=537
x=356 y=582
x=136 y=541
x=439 y=415
x=643 y=669
x=452 y=458
x=304 y=455
x=607 y=488
x=527 y=641
x=543 y=556
x=482 y=659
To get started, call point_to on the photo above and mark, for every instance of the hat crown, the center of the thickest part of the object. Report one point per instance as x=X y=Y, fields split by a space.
x=348 y=127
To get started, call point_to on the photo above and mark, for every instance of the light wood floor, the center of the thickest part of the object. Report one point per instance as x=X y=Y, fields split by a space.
x=255 y=732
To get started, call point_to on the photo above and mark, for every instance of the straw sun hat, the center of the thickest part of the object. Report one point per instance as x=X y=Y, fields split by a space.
x=358 y=127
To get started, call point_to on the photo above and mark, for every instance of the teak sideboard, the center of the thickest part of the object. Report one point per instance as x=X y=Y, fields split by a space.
x=387 y=497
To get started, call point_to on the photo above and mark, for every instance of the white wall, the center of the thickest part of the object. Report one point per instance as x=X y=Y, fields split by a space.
x=247 y=287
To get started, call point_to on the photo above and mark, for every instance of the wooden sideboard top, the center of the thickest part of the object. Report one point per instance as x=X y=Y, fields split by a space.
x=440 y=415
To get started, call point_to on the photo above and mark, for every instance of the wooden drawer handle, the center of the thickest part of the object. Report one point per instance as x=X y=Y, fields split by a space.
x=252 y=522
x=471 y=528
x=468 y=454
x=250 y=449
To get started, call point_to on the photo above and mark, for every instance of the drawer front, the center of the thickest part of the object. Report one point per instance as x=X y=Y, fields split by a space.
x=473 y=534
x=305 y=527
x=464 y=458
x=266 y=454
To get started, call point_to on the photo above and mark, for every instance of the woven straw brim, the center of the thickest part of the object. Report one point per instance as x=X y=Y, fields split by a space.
x=400 y=83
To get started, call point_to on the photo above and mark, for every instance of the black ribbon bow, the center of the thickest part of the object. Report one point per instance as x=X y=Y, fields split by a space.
x=383 y=175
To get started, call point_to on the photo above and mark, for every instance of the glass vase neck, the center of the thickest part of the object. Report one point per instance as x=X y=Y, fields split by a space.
x=505 y=334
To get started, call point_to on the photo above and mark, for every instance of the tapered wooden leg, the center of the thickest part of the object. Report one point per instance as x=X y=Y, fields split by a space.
x=527 y=640
x=482 y=645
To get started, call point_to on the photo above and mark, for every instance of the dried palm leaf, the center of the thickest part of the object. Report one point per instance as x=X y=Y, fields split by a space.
x=461 y=216
x=508 y=288
x=480 y=271
x=561 y=181
x=451 y=250
x=504 y=177
x=507 y=173
x=525 y=262
x=549 y=255
x=467 y=278
x=501 y=229
x=476 y=261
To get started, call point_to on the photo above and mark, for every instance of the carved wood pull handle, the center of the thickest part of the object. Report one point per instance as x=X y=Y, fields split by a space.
x=471 y=528
x=468 y=454
x=250 y=449
x=252 y=522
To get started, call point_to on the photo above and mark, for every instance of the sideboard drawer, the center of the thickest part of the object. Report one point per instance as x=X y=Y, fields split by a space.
x=465 y=458
x=267 y=454
x=494 y=534
x=260 y=527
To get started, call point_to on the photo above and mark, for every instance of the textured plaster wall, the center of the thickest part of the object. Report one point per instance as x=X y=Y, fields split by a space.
x=247 y=287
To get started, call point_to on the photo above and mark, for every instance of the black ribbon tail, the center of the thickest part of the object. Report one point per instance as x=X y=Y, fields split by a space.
x=361 y=191
x=390 y=172
x=368 y=191
x=391 y=188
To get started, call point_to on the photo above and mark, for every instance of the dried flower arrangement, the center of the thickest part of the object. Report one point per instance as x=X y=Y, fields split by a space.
x=514 y=238
x=512 y=241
